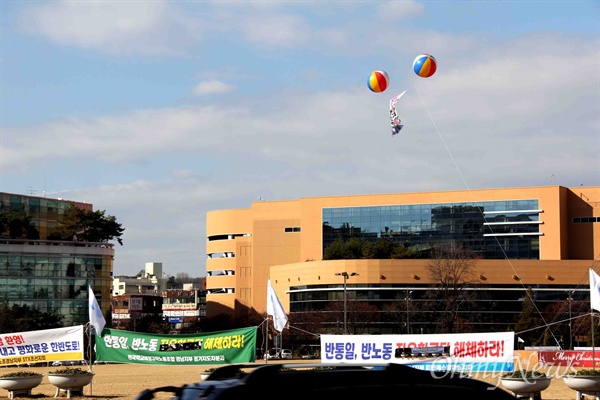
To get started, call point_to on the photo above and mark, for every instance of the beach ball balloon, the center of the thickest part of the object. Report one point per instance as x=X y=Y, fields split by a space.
x=425 y=65
x=378 y=81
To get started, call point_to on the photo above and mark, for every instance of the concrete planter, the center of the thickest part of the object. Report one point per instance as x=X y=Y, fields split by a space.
x=20 y=385
x=70 y=383
x=584 y=385
x=526 y=386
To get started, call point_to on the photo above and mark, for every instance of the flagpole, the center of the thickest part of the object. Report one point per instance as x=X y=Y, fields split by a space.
x=89 y=332
x=593 y=344
x=594 y=305
x=275 y=309
x=266 y=339
x=97 y=322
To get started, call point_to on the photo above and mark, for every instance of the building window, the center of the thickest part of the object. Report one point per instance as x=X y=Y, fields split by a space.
x=585 y=220
x=493 y=229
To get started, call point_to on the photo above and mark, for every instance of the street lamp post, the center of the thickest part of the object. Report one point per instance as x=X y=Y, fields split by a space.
x=407 y=313
x=570 y=321
x=345 y=275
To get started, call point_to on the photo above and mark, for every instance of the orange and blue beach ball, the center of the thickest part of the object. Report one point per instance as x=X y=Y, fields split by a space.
x=378 y=81
x=425 y=65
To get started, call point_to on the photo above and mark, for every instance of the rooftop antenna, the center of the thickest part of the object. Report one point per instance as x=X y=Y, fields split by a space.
x=553 y=179
x=260 y=198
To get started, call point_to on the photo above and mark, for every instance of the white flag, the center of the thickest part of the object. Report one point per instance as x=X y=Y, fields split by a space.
x=275 y=309
x=594 y=290
x=96 y=318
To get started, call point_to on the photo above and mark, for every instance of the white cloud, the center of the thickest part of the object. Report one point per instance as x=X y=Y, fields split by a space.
x=401 y=10
x=276 y=30
x=336 y=36
x=212 y=87
x=114 y=27
x=496 y=103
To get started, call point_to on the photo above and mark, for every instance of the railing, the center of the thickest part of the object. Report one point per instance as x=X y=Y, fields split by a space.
x=55 y=243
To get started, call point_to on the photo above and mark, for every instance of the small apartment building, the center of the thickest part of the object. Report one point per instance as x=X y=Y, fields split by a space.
x=184 y=306
x=129 y=307
x=150 y=280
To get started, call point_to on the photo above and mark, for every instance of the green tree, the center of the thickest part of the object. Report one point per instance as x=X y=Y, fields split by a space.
x=382 y=249
x=401 y=252
x=172 y=283
x=336 y=250
x=22 y=318
x=357 y=248
x=17 y=225
x=81 y=225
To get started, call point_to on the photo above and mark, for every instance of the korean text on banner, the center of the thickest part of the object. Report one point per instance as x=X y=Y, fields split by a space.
x=468 y=352
x=47 y=345
x=224 y=347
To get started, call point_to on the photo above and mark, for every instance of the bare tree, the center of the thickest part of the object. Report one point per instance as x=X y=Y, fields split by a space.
x=304 y=328
x=360 y=315
x=401 y=312
x=452 y=299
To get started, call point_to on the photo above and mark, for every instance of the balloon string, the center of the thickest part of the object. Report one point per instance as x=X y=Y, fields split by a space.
x=442 y=138
x=480 y=211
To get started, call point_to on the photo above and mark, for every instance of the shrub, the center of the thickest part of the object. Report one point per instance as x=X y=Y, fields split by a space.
x=586 y=372
x=71 y=371
x=525 y=374
x=20 y=374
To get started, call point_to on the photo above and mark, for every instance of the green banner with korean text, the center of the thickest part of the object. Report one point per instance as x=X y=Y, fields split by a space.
x=225 y=347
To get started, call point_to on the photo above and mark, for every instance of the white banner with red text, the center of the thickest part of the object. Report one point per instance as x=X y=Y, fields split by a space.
x=58 y=344
x=459 y=352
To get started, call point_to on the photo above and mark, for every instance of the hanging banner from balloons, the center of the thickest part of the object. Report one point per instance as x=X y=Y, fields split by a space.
x=378 y=81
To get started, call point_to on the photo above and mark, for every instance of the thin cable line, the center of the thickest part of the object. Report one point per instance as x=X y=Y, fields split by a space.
x=1 y=97
x=479 y=208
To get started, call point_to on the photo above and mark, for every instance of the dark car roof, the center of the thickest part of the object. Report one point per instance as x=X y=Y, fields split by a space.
x=324 y=382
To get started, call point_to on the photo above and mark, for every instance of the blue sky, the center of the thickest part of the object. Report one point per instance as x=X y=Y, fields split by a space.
x=159 y=111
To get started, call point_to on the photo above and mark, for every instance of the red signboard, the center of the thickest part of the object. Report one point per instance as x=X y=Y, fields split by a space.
x=572 y=358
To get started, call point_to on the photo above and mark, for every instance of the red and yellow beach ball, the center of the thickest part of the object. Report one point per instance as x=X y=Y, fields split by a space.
x=378 y=81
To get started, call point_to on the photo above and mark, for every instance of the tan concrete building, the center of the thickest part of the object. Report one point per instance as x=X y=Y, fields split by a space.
x=545 y=238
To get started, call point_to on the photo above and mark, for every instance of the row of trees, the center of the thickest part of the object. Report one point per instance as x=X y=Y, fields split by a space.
x=17 y=318
x=357 y=248
x=75 y=224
